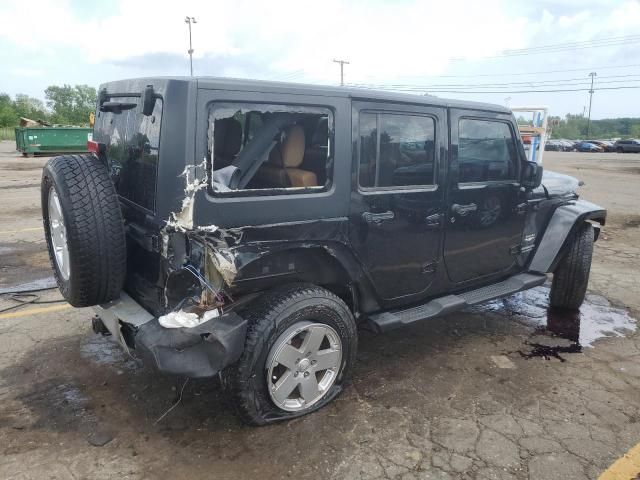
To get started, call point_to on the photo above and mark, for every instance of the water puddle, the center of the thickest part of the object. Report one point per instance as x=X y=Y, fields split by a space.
x=39 y=284
x=560 y=331
x=104 y=351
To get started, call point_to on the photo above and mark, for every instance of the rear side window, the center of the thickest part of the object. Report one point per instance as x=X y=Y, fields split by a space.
x=486 y=151
x=396 y=150
x=269 y=149
x=133 y=142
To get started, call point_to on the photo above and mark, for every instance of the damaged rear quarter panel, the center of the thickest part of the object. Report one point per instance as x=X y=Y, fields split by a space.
x=253 y=258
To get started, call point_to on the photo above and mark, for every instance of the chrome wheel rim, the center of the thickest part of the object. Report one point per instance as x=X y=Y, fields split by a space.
x=303 y=365
x=58 y=233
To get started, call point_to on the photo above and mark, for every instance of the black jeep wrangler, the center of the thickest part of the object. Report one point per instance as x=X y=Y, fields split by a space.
x=247 y=228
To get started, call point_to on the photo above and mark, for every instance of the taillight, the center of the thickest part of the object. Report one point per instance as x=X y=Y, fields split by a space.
x=95 y=147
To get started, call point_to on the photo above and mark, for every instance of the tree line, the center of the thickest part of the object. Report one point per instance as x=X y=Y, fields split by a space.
x=574 y=127
x=64 y=105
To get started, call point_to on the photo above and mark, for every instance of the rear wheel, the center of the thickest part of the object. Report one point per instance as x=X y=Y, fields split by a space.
x=84 y=229
x=571 y=276
x=300 y=348
x=620 y=150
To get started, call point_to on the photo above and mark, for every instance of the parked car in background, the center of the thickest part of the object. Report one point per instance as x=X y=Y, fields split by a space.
x=626 y=146
x=588 y=147
x=554 y=146
x=609 y=146
x=567 y=145
x=606 y=147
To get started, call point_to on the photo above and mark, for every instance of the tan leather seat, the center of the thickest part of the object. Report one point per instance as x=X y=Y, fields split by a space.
x=281 y=170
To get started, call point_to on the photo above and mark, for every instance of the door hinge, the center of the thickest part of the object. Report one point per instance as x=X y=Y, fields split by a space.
x=515 y=249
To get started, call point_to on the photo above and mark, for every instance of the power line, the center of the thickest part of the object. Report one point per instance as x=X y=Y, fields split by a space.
x=512 y=74
x=427 y=90
x=556 y=82
x=561 y=47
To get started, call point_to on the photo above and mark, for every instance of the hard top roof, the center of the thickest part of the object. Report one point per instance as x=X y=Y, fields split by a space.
x=223 y=83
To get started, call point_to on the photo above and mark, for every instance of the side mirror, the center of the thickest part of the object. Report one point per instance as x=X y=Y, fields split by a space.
x=532 y=175
x=148 y=99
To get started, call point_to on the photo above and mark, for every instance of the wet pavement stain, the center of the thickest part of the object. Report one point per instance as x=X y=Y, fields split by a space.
x=561 y=331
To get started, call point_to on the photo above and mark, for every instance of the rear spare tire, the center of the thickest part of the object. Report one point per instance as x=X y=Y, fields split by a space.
x=571 y=276
x=84 y=229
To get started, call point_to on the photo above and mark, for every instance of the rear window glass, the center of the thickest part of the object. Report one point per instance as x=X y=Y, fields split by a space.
x=133 y=142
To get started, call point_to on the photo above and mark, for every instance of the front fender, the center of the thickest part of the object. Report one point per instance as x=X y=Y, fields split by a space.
x=565 y=219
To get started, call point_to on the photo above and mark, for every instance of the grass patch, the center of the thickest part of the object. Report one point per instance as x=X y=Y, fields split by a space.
x=7 y=133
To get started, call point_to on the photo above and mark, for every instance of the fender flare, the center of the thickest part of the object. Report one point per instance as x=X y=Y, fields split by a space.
x=565 y=219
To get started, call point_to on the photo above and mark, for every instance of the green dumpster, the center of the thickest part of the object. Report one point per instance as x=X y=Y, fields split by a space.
x=32 y=140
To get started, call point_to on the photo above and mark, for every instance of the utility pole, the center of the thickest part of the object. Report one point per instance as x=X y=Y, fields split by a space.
x=592 y=75
x=190 y=20
x=342 y=64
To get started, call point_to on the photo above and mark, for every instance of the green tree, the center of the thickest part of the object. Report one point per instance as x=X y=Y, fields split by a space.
x=8 y=116
x=71 y=105
x=29 y=107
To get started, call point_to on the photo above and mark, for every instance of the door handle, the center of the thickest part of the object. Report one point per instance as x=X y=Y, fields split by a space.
x=463 y=210
x=377 y=218
x=434 y=221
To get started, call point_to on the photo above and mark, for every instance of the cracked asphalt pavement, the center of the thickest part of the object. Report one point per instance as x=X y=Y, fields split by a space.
x=506 y=390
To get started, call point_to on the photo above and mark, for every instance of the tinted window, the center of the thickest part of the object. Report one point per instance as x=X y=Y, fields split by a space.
x=396 y=150
x=133 y=141
x=486 y=151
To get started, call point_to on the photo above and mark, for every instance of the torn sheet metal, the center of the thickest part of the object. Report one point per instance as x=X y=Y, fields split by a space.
x=195 y=179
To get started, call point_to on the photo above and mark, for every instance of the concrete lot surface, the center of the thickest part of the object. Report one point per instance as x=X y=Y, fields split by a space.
x=490 y=393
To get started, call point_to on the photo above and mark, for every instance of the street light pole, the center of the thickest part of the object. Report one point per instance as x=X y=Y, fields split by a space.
x=592 y=75
x=190 y=20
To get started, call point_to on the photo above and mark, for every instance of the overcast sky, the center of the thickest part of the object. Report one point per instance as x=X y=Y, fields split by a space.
x=405 y=43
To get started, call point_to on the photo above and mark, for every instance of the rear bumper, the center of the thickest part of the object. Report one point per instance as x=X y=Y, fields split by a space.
x=201 y=351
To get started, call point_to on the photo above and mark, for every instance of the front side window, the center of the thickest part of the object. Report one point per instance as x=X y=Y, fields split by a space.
x=269 y=149
x=396 y=150
x=486 y=151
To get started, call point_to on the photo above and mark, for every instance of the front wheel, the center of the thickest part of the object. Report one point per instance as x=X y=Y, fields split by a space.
x=300 y=348
x=571 y=276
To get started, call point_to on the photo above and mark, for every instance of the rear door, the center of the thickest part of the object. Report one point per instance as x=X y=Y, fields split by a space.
x=486 y=207
x=397 y=200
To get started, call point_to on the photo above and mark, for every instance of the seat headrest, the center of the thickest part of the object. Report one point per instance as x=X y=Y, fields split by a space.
x=227 y=137
x=292 y=148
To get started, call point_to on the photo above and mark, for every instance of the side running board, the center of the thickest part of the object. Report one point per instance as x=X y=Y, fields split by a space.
x=391 y=320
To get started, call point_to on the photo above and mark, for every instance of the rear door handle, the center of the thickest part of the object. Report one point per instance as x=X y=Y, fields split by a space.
x=434 y=221
x=376 y=218
x=463 y=210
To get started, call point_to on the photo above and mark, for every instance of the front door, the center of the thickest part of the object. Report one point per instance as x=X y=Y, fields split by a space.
x=486 y=207
x=397 y=200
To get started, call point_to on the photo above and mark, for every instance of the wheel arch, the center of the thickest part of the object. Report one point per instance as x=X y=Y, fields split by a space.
x=330 y=266
x=563 y=223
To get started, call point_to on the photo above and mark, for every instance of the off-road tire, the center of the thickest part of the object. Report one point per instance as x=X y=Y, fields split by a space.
x=94 y=226
x=245 y=382
x=571 y=276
